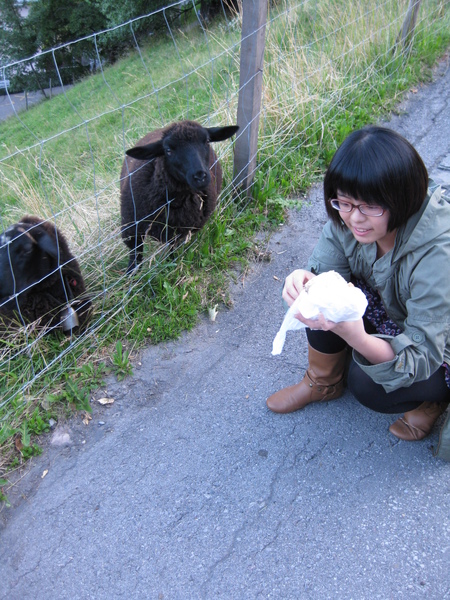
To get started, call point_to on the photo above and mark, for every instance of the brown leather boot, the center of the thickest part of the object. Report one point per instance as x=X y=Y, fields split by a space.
x=417 y=424
x=323 y=380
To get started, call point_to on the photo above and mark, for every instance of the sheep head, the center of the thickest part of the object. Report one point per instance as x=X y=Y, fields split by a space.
x=185 y=148
x=40 y=279
x=26 y=256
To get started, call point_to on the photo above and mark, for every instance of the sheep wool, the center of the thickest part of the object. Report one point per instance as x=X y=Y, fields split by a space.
x=169 y=185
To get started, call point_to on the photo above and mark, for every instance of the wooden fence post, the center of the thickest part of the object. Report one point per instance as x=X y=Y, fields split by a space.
x=409 y=24
x=253 y=39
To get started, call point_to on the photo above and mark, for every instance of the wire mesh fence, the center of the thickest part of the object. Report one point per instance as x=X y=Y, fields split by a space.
x=327 y=65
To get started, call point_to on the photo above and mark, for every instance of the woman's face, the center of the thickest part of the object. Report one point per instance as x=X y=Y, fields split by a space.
x=367 y=229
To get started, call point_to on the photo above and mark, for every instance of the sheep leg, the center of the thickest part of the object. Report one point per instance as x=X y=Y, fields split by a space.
x=135 y=259
x=136 y=253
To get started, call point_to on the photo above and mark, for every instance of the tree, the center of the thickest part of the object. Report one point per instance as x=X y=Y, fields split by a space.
x=49 y=28
x=56 y=24
x=17 y=42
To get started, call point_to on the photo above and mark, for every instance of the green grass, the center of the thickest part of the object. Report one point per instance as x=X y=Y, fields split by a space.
x=329 y=68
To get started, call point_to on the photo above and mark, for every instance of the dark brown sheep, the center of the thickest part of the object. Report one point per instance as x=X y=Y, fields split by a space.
x=170 y=182
x=40 y=278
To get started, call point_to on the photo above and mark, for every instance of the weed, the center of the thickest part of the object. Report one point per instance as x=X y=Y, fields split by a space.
x=3 y=497
x=24 y=444
x=38 y=422
x=121 y=362
x=31 y=450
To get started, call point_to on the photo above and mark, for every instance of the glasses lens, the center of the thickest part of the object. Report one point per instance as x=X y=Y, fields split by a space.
x=370 y=210
x=340 y=205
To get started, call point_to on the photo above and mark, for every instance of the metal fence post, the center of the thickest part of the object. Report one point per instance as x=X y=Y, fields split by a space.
x=253 y=38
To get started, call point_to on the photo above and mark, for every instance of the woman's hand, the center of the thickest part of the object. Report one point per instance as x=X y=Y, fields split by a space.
x=294 y=284
x=350 y=331
x=375 y=350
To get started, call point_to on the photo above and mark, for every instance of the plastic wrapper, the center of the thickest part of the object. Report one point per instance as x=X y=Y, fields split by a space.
x=329 y=294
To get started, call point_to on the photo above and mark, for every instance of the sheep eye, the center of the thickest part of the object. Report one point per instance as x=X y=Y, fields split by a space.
x=25 y=251
x=168 y=151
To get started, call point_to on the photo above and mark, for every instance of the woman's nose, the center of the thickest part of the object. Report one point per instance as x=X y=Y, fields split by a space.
x=356 y=216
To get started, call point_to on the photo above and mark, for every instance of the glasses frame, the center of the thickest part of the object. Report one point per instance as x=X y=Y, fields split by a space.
x=360 y=207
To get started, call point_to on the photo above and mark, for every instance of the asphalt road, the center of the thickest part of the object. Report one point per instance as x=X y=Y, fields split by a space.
x=187 y=487
x=14 y=104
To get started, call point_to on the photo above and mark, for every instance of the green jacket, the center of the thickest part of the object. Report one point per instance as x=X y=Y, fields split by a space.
x=414 y=284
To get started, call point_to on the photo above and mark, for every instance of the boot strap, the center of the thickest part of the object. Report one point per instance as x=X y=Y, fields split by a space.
x=326 y=389
x=411 y=426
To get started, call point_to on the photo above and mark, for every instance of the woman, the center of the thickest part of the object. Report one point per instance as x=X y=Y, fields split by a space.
x=390 y=235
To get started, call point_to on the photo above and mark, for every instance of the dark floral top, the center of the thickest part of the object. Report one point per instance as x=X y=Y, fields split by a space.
x=377 y=317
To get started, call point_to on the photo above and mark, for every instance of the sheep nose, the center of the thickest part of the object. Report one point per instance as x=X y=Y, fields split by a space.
x=200 y=177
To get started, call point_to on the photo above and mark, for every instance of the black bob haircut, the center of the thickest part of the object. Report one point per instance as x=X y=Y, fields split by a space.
x=377 y=166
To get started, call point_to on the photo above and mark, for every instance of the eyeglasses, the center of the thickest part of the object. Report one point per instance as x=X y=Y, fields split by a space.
x=366 y=209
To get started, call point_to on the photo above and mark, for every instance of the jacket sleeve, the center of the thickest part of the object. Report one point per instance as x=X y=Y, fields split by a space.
x=424 y=344
x=329 y=255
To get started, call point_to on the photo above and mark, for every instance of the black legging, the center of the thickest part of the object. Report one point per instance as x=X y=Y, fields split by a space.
x=372 y=394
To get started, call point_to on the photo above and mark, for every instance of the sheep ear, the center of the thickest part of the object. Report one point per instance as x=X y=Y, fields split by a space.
x=147 y=152
x=218 y=134
x=46 y=242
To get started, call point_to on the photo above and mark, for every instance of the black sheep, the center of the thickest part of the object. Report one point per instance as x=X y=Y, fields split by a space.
x=40 y=278
x=175 y=191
